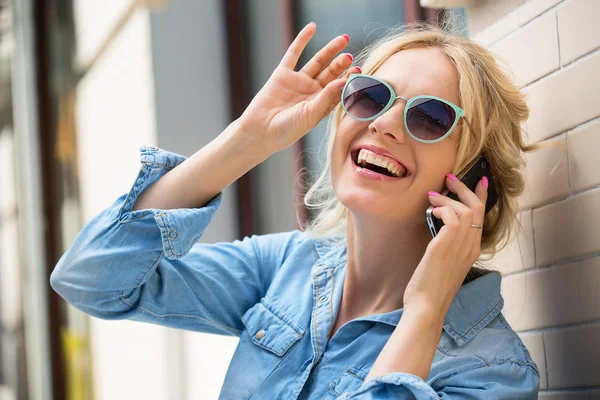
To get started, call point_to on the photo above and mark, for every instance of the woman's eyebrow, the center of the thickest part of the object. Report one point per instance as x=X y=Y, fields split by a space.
x=389 y=82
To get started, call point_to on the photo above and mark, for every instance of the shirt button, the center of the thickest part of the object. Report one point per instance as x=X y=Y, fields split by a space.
x=173 y=234
x=322 y=299
x=260 y=334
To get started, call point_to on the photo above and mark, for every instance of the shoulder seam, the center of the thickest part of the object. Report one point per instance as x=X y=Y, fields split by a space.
x=259 y=263
x=521 y=357
x=523 y=365
x=524 y=350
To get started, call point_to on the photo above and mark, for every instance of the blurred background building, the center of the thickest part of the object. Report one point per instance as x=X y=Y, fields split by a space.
x=85 y=83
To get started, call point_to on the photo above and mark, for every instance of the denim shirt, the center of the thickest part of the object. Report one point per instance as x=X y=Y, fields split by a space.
x=280 y=294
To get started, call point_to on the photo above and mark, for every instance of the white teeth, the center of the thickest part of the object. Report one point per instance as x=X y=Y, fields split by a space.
x=366 y=156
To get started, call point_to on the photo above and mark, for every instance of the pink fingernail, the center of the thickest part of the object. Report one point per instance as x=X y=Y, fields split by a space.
x=452 y=177
x=485 y=182
x=433 y=193
x=351 y=56
x=359 y=69
x=312 y=22
x=346 y=37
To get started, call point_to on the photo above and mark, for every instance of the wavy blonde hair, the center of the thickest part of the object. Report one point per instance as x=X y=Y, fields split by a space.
x=495 y=109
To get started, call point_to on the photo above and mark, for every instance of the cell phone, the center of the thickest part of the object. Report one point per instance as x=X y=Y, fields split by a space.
x=477 y=170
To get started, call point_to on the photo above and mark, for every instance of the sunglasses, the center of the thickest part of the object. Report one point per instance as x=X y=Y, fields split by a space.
x=427 y=119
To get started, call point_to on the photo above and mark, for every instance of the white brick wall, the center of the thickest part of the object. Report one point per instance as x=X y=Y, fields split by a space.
x=552 y=294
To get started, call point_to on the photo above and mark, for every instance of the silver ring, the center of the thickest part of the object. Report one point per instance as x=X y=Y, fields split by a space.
x=475 y=226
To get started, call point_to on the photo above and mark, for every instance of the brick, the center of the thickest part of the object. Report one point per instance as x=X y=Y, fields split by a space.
x=509 y=259
x=535 y=345
x=513 y=20
x=564 y=99
x=542 y=298
x=546 y=175
x=532 y=9
x=578 y=28
x=573 y=357
x=564 y=395
x=498 y=30
x=531 y=51
x=567 y=229
x=589 y=278
x=584 y=162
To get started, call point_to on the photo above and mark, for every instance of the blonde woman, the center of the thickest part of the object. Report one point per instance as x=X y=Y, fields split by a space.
x=363 y=303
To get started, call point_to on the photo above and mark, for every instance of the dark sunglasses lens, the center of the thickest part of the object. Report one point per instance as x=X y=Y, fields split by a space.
x=430 y=119
x=365 y=97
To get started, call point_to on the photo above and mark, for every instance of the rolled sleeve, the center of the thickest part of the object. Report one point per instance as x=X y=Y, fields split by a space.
x=394 y=385
x=146 y=265
x=180 y=228
x=506 y=380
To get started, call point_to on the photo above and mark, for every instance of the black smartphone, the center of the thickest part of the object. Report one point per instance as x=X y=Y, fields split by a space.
x=477 y=170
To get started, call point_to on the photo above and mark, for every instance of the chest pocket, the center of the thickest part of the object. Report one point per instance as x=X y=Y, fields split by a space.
x=271 y=329
x=349 y=381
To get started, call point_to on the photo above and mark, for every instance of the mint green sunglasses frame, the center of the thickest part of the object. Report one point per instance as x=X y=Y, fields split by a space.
x=459 y=112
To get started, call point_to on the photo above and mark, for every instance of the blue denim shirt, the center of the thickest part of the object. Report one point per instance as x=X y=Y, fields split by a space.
x=280 y=294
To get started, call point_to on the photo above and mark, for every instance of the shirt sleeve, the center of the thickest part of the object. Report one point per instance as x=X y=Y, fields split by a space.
x=146 y=265
x=502 y=381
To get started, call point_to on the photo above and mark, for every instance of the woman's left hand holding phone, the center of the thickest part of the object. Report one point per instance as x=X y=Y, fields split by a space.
x=449 y=255
x=435 y=282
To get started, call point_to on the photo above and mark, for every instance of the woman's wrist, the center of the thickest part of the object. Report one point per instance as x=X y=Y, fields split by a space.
x=250 y=141
x=431 y=312
x=412 y=345
x=207 y=172
x=426 y=318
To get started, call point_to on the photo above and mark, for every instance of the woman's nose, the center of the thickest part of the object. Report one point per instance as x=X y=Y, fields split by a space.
x=390 y=123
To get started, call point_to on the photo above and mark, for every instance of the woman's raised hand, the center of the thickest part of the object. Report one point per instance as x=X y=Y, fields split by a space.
x=292 y=103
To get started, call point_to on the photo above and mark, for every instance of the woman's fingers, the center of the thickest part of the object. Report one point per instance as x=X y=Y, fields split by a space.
x=292 y=55
x=460 y=215
x=354 y=70
x=460 y=224
x=321 y=68
x=329 y=97
x=334 y=69
x=324 y=56
x=451 y=223
x=461 y=210
x=322 y=105
x=474 y=200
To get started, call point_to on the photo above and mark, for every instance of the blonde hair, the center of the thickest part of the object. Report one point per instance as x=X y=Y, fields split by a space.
x=495 y=109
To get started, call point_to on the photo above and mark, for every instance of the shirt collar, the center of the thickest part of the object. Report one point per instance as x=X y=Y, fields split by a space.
x=475 y=305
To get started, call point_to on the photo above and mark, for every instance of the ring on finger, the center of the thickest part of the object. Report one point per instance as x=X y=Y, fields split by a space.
x=476 y=226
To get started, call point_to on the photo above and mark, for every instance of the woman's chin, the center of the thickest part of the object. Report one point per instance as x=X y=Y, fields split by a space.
x=369 y=205
x=363 y=202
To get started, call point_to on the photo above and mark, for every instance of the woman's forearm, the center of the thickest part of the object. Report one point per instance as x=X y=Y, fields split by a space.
x=411 y=347
x=207 y=172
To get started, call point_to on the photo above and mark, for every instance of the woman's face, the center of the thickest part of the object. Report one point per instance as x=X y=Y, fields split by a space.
x=412 y=72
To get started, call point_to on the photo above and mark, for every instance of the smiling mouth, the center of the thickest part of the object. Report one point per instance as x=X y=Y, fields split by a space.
x=375 y=168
